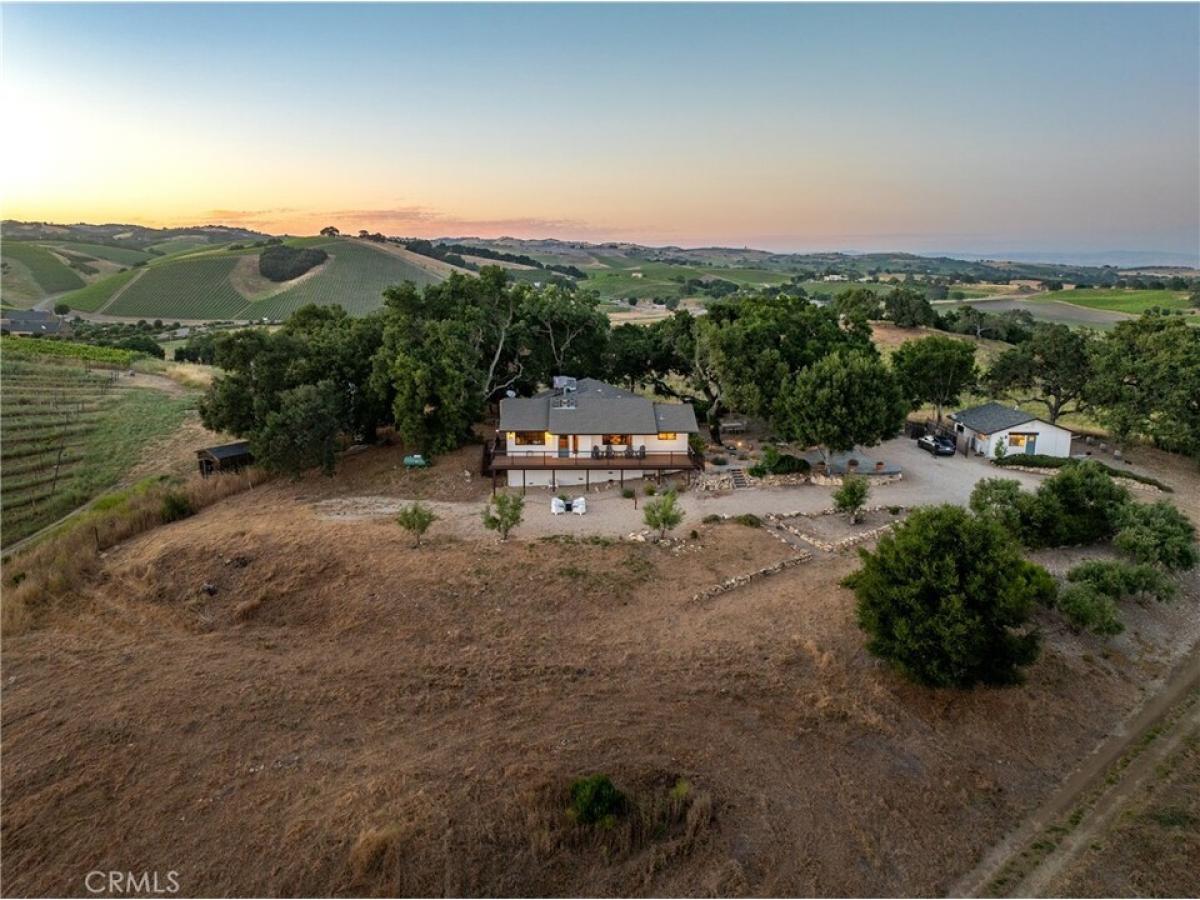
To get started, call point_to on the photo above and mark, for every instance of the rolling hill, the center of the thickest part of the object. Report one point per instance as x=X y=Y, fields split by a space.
x=42 y=262
x=224 y=283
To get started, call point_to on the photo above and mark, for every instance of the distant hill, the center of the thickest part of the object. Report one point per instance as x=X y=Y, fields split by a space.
x=210 y=272
x=40 y=260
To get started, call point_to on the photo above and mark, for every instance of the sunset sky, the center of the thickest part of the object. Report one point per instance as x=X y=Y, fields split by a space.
x=925 y=128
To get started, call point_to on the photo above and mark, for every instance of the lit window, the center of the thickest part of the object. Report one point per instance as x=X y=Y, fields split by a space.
x=619 y=439
x=529 y=438
x=666 y=435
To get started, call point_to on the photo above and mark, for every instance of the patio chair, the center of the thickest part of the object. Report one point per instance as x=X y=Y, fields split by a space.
x=595 y=452
x=629 y=453
x=608 y=452
x=579 y=506
x=641 y=454
x=557 y=507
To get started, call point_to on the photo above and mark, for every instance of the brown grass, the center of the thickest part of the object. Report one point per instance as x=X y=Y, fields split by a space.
x=53 y=568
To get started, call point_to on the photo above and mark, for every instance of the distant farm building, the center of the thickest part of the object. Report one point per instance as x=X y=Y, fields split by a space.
x=30 y=321
x=224 y=458
x=835 y=278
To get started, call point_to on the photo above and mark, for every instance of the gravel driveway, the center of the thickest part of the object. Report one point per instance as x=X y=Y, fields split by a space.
x=927 y=480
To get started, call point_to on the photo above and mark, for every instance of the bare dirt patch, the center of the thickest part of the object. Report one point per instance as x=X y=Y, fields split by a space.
x=270 y=703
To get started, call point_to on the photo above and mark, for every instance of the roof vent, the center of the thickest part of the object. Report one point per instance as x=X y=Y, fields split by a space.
x=566 y=402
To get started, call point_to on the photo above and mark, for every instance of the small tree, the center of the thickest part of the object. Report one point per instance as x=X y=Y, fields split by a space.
x=62 y=309
x=946 y=598
x=663 y=514
x=1001 y=450
x=416 y=519
x=504 y=513
x=851 y=496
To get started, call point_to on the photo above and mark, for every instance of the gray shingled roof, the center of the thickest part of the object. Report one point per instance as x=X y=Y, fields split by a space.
x=992 y=417
x=598 y=408
x=675 y=417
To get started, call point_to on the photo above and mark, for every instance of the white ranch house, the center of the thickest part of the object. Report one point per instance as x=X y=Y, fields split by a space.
x=986 y=427
x=585 y=432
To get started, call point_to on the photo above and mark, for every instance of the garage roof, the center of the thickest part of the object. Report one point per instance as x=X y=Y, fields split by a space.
x=992 y=417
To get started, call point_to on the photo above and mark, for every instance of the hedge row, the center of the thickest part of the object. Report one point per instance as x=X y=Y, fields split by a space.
x=27 y=347
x=1040 y=461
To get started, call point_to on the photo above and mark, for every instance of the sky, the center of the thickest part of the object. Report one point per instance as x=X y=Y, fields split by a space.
x=982 y=128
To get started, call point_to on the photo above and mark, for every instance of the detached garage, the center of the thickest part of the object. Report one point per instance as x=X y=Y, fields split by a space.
x=982 y=429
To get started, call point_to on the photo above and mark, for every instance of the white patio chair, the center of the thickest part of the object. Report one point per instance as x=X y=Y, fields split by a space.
x=557 y=506
x=579 y=506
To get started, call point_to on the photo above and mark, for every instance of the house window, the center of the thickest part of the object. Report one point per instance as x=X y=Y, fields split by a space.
x=667 y=435
x=621 y=439
x=529 y=438
x=1016 y=441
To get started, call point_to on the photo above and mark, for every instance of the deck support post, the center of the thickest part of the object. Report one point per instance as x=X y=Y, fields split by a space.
x=587 y=480
x=522 y=482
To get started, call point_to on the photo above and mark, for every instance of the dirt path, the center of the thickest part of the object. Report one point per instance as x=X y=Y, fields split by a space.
x=121 y=290
x=1028 y=858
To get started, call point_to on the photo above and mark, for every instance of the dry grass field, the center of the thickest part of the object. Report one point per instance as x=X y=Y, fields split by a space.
x=271 y=703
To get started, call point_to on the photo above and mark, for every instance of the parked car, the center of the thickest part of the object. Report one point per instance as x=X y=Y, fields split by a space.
x=937 y=444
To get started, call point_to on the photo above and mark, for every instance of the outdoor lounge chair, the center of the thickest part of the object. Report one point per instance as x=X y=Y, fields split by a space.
x=579 y=506
x=557 y=507
x=641 y=454
x=608 y=452
x=596 y=452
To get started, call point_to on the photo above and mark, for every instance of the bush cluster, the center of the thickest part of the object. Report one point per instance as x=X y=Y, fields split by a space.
x=283 y=263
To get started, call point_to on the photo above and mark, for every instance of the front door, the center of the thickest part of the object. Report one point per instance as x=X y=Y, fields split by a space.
x=564 y=445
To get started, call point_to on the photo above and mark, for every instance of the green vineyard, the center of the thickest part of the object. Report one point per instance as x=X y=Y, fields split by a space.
x=95 y=295
x=51 y=274
x=70 y=432
x=355 y=279
x=187 y=289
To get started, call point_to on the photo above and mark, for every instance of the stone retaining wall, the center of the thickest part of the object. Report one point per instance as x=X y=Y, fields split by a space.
x=737 y=581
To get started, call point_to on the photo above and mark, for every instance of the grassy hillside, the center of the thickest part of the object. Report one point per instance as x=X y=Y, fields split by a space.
x=120 y=255
x=355 y=278
x=31 y=272
x=220 y=283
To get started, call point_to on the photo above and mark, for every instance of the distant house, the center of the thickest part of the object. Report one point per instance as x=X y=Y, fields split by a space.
x=986 y=427
x=635 y=275
x=835 y=278
x=30 y=321
x=583 y=432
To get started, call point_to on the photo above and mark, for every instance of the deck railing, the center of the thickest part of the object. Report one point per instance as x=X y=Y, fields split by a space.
x=496 y=456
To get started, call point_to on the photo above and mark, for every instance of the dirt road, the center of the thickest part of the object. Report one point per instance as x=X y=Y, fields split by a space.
x=1025 y=862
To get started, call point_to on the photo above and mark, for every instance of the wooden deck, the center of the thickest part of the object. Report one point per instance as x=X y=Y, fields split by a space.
x=496 y=460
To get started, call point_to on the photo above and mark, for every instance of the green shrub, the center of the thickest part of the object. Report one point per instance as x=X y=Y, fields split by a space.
x=627 y=493
x=749 y=520
x=595 y=800
x=1118 y=580
x=711 y=519
x=694 y=535
x=1077 y=505
x=757 y=471
x=850 y=497
x=416 y=519
x=1157 y=533
x=663 y=514
x=176 y=506
x=1088 y=609
x=503 y=513
x=946 y=597
x=719 y=461
x=650 y=489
